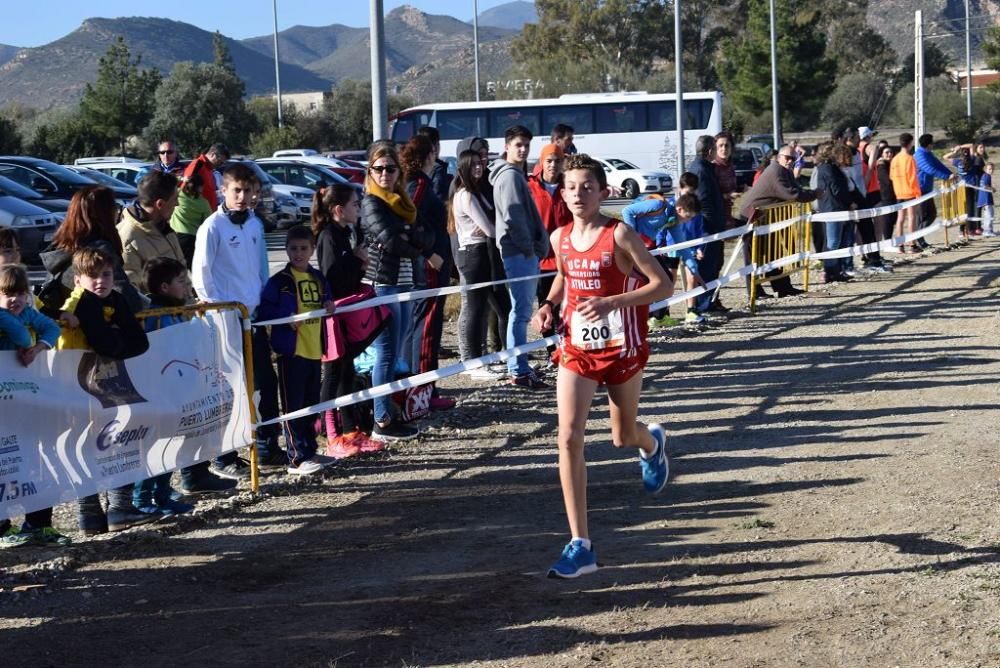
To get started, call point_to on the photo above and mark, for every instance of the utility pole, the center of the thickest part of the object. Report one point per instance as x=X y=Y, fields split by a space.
x=475 y=39
x=277 y=67
x=380 y=110
x=968 y=64
x=775 y=108
x=679 y=89
x=918 y=73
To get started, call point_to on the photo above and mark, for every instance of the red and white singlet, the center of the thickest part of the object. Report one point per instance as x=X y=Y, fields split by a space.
x=594 y=273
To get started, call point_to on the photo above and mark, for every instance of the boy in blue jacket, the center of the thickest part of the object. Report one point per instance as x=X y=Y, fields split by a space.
x=169 y=287
x=26 y=330
x=689 y=227
x=985 y=200
x=298 y=288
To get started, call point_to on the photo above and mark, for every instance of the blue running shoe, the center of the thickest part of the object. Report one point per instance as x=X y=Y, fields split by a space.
x=656 y=469
x=576 y=560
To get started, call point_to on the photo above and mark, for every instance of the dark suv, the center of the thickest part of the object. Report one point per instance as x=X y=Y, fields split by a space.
x=51 y=180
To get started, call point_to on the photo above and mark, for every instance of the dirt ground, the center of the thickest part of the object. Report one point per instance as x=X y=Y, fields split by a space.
x=834 y=503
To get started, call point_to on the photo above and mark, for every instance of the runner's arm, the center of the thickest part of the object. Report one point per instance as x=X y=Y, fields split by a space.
x=542 y=320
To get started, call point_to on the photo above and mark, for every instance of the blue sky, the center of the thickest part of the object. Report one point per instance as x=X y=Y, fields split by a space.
x=37 y=22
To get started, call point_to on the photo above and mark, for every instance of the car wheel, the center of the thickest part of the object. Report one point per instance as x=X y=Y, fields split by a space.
x=631 y=189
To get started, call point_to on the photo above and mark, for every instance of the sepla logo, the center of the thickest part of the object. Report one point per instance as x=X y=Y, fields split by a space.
x=112 y=435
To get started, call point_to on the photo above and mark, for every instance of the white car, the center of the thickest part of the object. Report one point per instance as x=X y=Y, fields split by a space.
x=123 y=169
x=632 y=181
x=302 y=198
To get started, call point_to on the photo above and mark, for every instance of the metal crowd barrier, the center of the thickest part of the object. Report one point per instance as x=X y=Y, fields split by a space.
x=789 y=237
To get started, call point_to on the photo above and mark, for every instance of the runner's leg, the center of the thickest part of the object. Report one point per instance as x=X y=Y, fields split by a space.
x=626 y=430
x=574 y=394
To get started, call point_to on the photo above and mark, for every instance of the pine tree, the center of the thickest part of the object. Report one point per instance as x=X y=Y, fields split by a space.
x=120 y=102
x=805 y=73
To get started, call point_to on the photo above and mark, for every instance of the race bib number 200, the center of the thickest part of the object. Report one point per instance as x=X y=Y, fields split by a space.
x=608 y=332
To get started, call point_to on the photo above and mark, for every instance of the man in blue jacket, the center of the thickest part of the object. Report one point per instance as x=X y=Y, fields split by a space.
x=928 y=169
x=710 y=197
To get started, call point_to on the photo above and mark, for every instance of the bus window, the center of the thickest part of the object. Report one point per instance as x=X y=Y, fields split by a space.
x=697 y=113
x=501 y=119
x=460 y=124
x=578 y=117
x=629 y=117
x=663 y=116
x=406 y=125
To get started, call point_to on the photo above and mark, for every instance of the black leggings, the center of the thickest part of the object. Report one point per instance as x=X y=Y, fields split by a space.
x=338 y=380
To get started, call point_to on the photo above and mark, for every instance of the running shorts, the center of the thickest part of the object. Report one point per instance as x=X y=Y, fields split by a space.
x=603 y=368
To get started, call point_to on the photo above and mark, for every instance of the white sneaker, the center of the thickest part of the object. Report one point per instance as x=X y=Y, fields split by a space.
x=308 y=467
x=323 y=460
x=484 y=373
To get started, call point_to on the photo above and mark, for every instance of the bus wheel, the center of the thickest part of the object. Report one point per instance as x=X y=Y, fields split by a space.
x=631 y=189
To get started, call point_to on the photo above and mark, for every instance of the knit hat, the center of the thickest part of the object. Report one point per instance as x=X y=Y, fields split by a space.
x=548 y=150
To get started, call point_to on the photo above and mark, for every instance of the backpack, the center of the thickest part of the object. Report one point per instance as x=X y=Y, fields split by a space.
x=53 y=293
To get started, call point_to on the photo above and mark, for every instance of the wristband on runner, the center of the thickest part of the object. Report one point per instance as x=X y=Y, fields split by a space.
x=547 y=302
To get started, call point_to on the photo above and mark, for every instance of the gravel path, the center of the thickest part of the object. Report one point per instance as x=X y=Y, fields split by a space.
x=834 y=504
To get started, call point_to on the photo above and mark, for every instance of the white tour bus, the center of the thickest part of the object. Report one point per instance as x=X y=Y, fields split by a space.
x=639 y=127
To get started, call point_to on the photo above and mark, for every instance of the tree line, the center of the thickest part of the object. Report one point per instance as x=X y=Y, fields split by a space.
x=129 y=109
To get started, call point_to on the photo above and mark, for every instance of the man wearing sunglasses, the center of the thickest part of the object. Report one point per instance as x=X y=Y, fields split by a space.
x=776 y=184
x=167 y=161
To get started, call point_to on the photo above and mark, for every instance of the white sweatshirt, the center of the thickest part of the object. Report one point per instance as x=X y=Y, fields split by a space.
x=230 y=260
x=472 y=225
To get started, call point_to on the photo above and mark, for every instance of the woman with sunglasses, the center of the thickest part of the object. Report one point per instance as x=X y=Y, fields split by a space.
x=394 y=238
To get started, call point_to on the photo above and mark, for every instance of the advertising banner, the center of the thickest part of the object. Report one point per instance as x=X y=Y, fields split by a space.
x=74 y=422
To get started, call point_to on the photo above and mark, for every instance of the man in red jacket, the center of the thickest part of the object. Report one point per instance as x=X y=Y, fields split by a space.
x=207 y=165
x=546 y=190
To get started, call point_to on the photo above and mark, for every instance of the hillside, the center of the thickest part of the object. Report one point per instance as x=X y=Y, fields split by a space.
x=510 y=15
x=413 y=40
x=55 y=74
x=7 y=52
x=944 y=19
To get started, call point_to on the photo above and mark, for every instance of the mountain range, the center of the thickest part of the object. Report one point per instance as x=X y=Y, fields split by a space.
x=426 y=54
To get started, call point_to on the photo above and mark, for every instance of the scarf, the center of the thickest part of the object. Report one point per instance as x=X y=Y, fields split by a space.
x=400 y=204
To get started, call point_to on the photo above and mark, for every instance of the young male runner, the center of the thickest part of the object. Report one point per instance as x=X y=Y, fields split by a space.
x=606 y=280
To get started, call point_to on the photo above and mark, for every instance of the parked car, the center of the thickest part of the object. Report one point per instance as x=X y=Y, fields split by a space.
x=352 y=174
x=632 y=181
x=294 y=172
x=294 y=152
x=745 y=164
x=122 y=169
x=765 y=140
x=33 y=225
x=294 y=203
x=356 y=158
x=52 y=180
x=99 y=176
x=759 y=150
x=53 y=204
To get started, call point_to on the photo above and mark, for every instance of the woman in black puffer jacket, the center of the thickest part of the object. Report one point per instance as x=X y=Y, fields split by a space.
x=394 y=238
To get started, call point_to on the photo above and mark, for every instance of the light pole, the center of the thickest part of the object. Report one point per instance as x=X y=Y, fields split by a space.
x=277 y=66
x=475 y=40
x=918 y=73
x=968 y=64
x=775 y=109
x=679 y=89
x=376 y=29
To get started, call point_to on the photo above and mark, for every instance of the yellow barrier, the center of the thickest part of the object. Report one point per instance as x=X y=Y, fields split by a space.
x=792 y=240
x=200 y=310
x=951 y=205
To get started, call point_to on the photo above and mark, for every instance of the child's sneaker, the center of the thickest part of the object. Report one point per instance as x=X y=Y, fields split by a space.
x=365 y=445
x=665 y=321
x=576 y=560
x=342 y=447
x=308 y=467
x=15 y=538
x=656 y=467
x=49 y=537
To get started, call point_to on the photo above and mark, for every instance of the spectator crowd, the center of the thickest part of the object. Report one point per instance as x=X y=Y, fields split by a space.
x=192 y=236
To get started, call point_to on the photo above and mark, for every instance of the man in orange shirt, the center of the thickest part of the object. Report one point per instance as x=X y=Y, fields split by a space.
x=546 y=186
x=903 y=173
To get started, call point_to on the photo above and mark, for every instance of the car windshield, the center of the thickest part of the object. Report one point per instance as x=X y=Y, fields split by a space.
x=15 y=189
x=104 y=179
x=618 y=163
x=742 y=159
x=61 y=174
